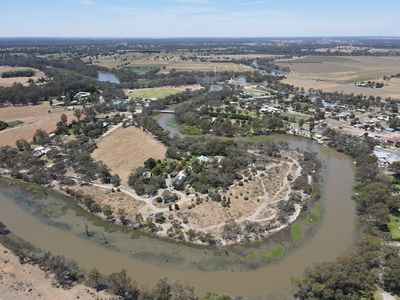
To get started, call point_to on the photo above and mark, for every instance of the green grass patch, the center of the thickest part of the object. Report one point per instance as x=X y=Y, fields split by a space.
x=190 y=130
x=296 y=232
x=315 y=214
x=394 y=227
x=158 y=93
x=273 y=253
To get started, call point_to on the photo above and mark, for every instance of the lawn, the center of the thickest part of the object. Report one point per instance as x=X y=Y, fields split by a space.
x=158 y=93
x=394 y=227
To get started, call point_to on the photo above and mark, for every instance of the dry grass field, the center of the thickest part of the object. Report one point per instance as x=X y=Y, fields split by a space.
x=340 y=73
x=166 y=62
x=126 y=149
x=34 y=117
x=6 y=82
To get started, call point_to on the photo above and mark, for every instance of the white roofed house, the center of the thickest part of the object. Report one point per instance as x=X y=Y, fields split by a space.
x=40 y=151
x=203 y=159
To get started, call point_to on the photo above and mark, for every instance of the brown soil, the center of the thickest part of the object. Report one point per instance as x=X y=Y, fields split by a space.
x=125 y=149
x=30 y=282
x=340 y=73
x=34 y=117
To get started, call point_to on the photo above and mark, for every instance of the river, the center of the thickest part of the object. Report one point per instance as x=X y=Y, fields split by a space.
x=54 y=226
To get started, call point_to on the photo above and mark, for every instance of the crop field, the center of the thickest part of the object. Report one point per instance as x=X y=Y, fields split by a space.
x=6 y=82
x=340 y=73
x=126 y=149
x=160 y=92
x=33 y=117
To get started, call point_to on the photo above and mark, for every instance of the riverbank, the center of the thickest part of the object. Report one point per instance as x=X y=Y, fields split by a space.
x=25 y=281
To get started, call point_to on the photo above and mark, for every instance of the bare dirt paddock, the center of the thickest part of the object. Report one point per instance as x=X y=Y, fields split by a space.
x=34 y=117
x=126 y=149
x=340 y=73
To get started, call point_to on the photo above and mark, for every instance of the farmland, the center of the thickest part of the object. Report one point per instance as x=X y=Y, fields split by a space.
x=6 y=82
x=126 y=149
x=340 y=73
x=34 y=117
x=142 y=62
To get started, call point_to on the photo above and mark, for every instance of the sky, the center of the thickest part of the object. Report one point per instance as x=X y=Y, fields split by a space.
x=198 y=18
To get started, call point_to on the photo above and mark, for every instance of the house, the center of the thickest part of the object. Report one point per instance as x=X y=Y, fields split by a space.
x=203 y=159
x=40 y=151
x=270 y=109
x=146 y=175
x=82 y=95
x=181 y=176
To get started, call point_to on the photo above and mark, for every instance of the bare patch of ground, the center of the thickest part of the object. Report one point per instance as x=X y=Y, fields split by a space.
x=340 y=73
x=126 y=149
x=34 y=117
x=24 y=281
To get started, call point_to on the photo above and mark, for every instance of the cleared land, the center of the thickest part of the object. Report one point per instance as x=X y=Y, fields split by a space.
x=6 y=82
x=25 y=281
x=165 y=61
x=126 y=149
x=340 y=73
x=34 y=117
x=160 y=92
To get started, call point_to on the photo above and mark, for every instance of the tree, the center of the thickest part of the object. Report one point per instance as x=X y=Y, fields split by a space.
x=162 y=290
x=122 y=285
x=23 y=144
x=346 y=278
x=395 y=168
x=78 y=114
x=95 y=278
x=115 y=180
x=40 y=137
x=62 y=125
x=122 y=216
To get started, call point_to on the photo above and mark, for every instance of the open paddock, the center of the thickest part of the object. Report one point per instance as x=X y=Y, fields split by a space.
x=7 y=82
x=338 y=74
x=34 y=117
x=126 y=149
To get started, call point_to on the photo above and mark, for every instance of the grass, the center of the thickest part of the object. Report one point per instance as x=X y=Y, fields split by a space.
x=394 y=227
x=190 y=130
x=315 y=214
x=158 y=93
x=274 y=253
x=296 y=232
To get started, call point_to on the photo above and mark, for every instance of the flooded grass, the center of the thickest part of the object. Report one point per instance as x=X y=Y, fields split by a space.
x=296 y=232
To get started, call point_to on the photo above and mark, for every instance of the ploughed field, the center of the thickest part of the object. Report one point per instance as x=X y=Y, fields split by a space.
x=341 y=73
